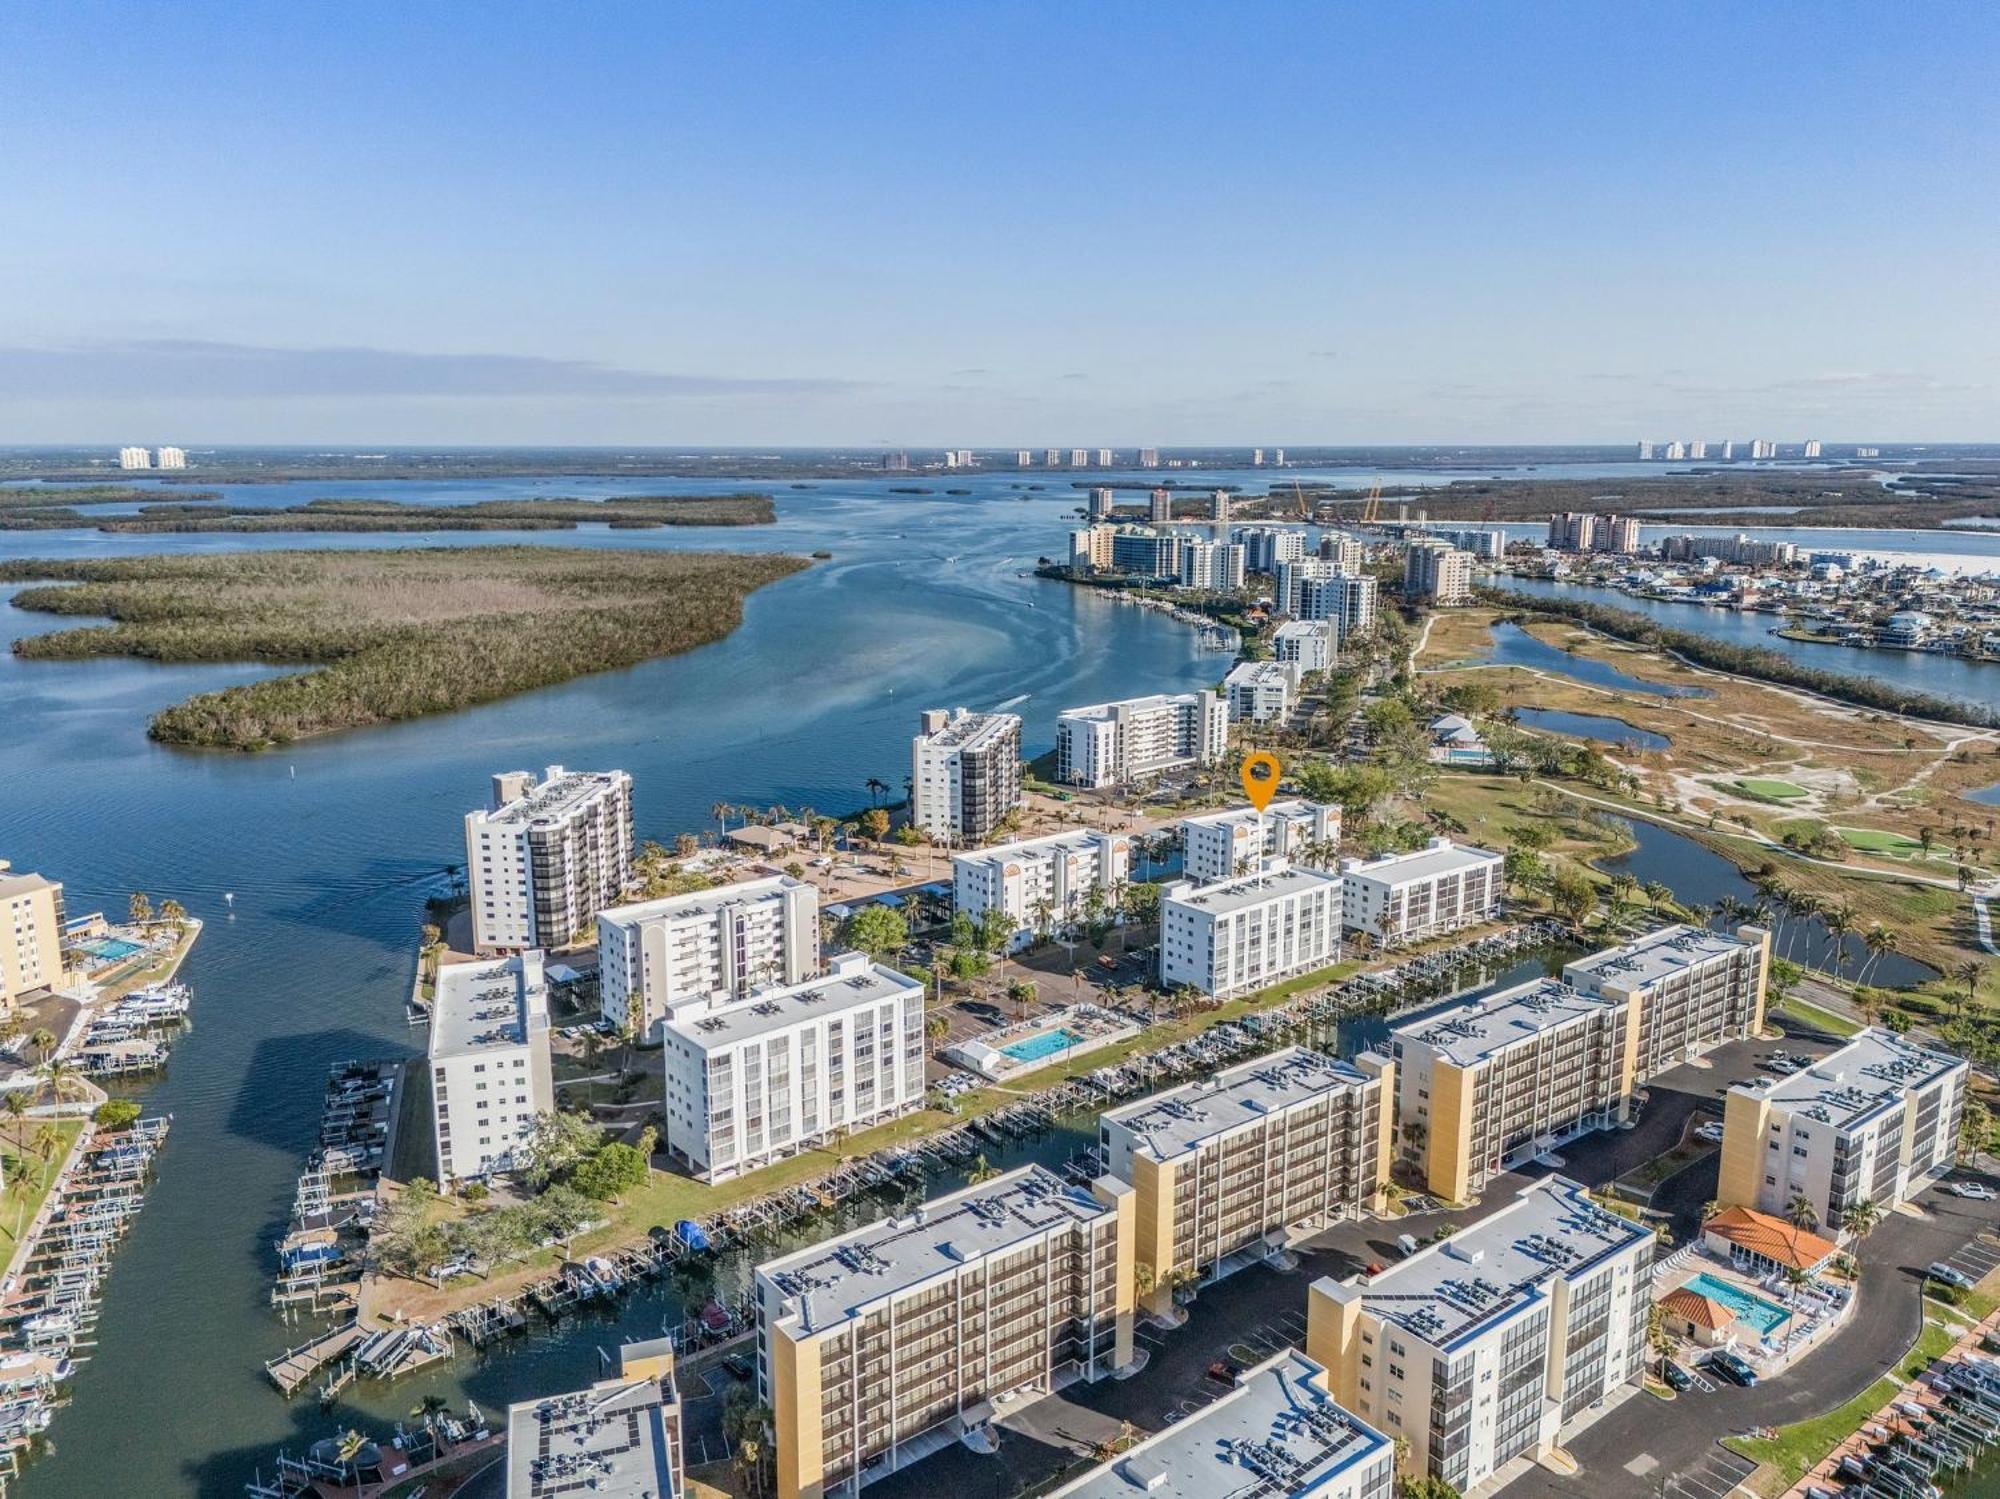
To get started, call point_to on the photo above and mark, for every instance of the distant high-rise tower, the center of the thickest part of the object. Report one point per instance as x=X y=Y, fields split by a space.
x=1761 y=448
x=178 y=458
x=1221 y=500
x=1100 y=502
x=1729 y=450
x=1676 y=451
x=1645 y=451
x=1024 y=459
x=1149 y=457
x=1052 y=456
x=895 y=463
x=1104 y=457
x=1812 y=449
x=1256 y=457
x=1278 y=457
x=1697 y=449
x=1079 y=457
x=951 y=457
x=135 y=458
x=1162 y=508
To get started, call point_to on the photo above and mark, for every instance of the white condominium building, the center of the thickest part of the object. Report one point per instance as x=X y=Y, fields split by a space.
x=1690 y=989
x=1317 y=588
x=1265 y=547
x=1482 y=1349
x=1874 y=1121
x=135 y=457
x=173 y=458
x=1406 y=897
x=1110 y=744
x=883 y=1345
x=753 y=1082
x=1344 y=551
x=1220 y=845
x=1042 y=880
x=545 y=857
x=1090 y=547
x=489 y=1061
x=1279 y=1410
x=658 y=958
x=966 y=772
x=1213 y=565
x=1437 y=572
x=1501 y=1079
x=1230 y=1169
x=1307 y=644
x=618 y=1439
x=1261 y=691
x=1243 y=933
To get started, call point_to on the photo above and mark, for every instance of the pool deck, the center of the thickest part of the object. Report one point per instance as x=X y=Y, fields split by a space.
x=990 y=1057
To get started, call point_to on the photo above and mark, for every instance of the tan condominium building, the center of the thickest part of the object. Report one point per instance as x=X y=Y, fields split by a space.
x=1227 y=1169
x=1504 y=1078
x=31 y=929
x=658 y=958
x=1277 y=1434
x=1408 y=897
x=1874 y=1121
x=1219 y=845
x=1490 y=1349
x=618 y=1439
x=1255 y=929
x=1043 y=884
x=544 y=857
x=888 y=1343
x=1689 y=988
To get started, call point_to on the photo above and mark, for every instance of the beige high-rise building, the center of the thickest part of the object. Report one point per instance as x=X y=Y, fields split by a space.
x=1690 y=989
x=618 y=1439
x=883 y=1345
x=173 y=458
x=31 y=925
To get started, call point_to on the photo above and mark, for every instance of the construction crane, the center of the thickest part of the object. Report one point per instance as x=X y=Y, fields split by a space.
x=1372 y=511
x=1305 y=510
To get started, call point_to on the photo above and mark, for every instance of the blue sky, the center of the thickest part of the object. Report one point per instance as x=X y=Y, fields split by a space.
x=998 y=224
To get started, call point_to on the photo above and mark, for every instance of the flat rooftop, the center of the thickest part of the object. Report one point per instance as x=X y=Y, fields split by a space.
x=22 y=884
x=703 y=902
x=1299 y=629
x=832 y=1281
x=483 y=1005
x=1024 y=847
x=1489 y=1269
x=1658 y=955
x=1483 y=1027
x=610 y=1441
x=1251 y=817
x=1131 y=705
x=1246 y=890
x=1278 y=1414
x=1868 y=1074
x=777 y=1009
x=968 y=730
x=1422 y=864
x=1259 y=672
x=1170 y=1124
x=557 y=797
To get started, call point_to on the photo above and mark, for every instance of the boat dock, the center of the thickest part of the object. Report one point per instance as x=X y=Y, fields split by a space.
x=294 y=1368
x=132 y=1035
x=318 y=1259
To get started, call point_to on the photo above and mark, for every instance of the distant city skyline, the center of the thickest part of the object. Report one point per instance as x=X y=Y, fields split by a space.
x=901 y=225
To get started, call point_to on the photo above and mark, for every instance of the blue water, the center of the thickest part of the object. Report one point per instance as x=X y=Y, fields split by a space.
x=1514 y=646
x=1034 y=1048
x=1590 y=726
x=111 y=948
x=1986 y=796
x=1767 y=1317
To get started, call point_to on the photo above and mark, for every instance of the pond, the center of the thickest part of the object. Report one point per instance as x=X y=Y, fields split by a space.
x=1698 y=876
x=1514 y=646
x=1986 y=796
x=1590 y=726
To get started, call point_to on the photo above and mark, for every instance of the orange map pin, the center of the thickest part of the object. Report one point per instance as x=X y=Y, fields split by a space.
x=1260 y=778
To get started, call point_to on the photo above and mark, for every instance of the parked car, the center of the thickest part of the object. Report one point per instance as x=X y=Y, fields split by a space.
x=1224 y=1371
x=1675 y=1376
x=1977 y=1191
x=1726 y=1365
x=1940 y=1271
x=1710 y=1130
x=739 y=1366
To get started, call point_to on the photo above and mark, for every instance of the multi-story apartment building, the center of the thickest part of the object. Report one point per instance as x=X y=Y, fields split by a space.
x=131 y=457
x=1111 y=744
x=1146 y=552
x=173 y=458
x=1689 y=989
x=1213 y=565
x=886 y=1343
x=31 y=936
x=1874 y=1121
x=545 y=857
x=751 y=1082
x=618 y=1439
x=1317 y=588
x=1220 y=845
x=1261 y=691
x=1572 y=531
x=1218 y=507
x=1437 y=572
x=1407 y=897
x=1280 y=1410
x=1307 y=644
x=1345 y=552
x=1503 y=1078
x=965 y=772
x=1042 y=880
x=1227 y=1170
x=1102 y=499
x=658 y=957
x=1105 y=457
x=1149 y=457
x=1492 y=1345
x=1265 y=547
x=1090 y=548
x=489 y=1061
x=1616 y=533
x=1160 y=505
x=1242 y=933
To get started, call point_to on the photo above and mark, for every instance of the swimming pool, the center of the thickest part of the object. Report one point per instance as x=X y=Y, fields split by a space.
x=1754 y=1311
x=1034 y=1048
x=111 y=949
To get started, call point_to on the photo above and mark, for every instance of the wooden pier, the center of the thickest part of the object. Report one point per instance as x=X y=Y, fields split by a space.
x=294 y=1369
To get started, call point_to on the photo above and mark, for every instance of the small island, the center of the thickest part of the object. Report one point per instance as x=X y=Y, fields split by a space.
x=48 y=509
x=390 y=634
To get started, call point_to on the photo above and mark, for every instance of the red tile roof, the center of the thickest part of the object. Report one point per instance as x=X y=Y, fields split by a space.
x=1773 y=1238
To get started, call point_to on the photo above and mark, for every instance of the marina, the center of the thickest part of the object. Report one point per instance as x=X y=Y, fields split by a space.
x=335 y=1197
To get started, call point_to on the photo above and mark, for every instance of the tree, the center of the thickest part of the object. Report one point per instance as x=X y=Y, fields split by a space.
x=1861 y=1217
x=1975 y=1129
x=61 y=1077
x=14 y=1104
x=1572 y=895
x=746 y=1426
x=139 y=908
x=1801 y=1213
x=875 y=823
x=983 y=1170
x=1425 y=1486
x=173 y=913
x=112 y=1115
x=877 y=930
x=43 y=1040
x=611 y=1170
x=1523 y=869
x=556 y=1143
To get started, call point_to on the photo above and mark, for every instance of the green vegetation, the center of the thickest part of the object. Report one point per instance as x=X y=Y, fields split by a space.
x=31 y=1151
x=1758 y=789
x=393 y=634
x=1876 y=841
x=1819 y=1019
x=553 y=514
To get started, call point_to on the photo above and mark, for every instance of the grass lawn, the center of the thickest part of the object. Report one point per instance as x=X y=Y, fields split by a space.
x=1875 y=841
x=1762 y=790
x=19 y=1212
x=1817 y=1018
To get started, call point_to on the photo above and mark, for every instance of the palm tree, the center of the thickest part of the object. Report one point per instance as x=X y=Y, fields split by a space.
x=1800 y=1212
x=983 y=1170
x=14 y=1104
x=21 y=1186
x=1861 y=1217
x=1839 y=921
x=1968 y=973
x=720 y=812
x=43 y=1040
x=1879 y=942
x=1798 y=1278
x=877 y=789
x=61 y=1077
x=47 y=1141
